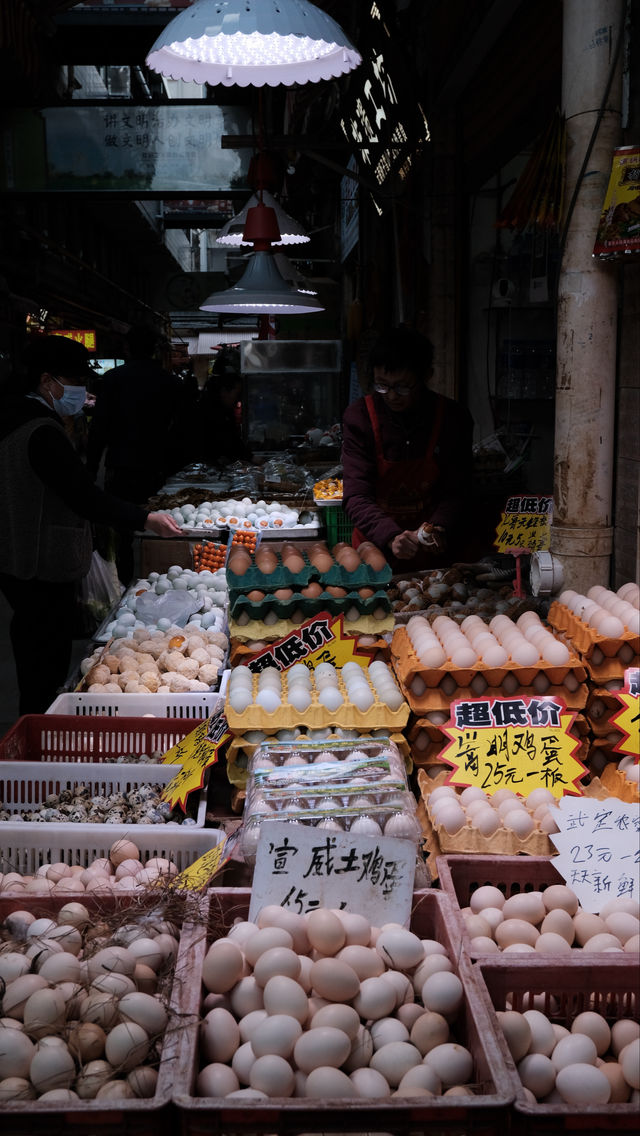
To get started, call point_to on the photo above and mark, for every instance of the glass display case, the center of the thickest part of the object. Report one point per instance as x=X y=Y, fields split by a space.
x=289 y=387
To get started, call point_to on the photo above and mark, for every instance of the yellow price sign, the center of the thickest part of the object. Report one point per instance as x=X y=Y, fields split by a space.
x=198 y=874
x=525 y=524
x=320 y=640
x=195 y=753
x=513 y=743
x=627 y=719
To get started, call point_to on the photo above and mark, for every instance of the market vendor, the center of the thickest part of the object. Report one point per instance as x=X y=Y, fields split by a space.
x=47 y=501
x=406 y=456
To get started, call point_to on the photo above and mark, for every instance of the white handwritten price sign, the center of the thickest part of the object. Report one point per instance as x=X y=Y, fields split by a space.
x=598 y=849
x=301 y=868
x=513 y=743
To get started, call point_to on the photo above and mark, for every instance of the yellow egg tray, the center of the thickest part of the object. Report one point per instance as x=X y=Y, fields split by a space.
x=436 y=699
x=242 y=651
x=267 y=632
x=408 y=666
x=585 y=638
x=601 y=725
x=615 y=784
x=317 y=716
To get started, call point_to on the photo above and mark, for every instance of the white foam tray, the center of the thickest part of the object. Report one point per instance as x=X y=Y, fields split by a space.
x=24 y=784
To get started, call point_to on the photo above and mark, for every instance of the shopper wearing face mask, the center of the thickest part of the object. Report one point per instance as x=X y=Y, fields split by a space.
x=47 y=502
x=407 y=459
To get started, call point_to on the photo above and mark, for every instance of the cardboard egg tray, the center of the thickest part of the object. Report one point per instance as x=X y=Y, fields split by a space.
x=585 y=638
x=435 y=699
x=282 y=577
x=243 y=650
x=308 y=606
x=408 y=666
x=257 y=630
x=601 y=705
x=317 y=716
x=617 y=785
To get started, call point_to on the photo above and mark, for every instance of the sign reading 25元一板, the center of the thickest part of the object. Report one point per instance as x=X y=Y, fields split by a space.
x=513 y=743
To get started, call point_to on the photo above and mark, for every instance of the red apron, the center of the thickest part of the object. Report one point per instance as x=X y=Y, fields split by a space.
x=404 y=488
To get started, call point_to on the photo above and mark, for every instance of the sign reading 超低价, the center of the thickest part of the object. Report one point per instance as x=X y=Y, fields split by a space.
x=598 y=849
x=627 y=719
x=319 y=640
x=525 y=524
x=168 y=149
x=301 y=868
x=520 y=744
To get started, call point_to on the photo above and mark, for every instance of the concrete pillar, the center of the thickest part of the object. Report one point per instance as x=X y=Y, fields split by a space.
x=587 y=302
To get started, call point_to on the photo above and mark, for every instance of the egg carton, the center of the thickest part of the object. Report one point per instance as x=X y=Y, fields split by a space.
x=256 y=630
x=243 y=648
x=308 y=772
x=240 y=749
x=409 y=668
x=244 y=610
x=588 y=641
x=615 y=784
x=564 y=991
x=601 y=705
x=378 y=820
x=439 y=699
x=317 y=716
x=281 y=576
x=26 y=784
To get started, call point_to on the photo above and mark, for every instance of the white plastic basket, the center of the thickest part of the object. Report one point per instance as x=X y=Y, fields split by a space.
x=25 y=784
x=194 y=705
x=26 y=847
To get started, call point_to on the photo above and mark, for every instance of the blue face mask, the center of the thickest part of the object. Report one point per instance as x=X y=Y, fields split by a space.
x=71 y=400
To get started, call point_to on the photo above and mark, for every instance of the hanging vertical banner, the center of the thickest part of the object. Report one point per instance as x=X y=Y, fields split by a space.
x=619 y=229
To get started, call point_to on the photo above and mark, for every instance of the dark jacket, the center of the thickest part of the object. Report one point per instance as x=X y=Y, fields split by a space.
x=405 y=437
x=47 y=498
x=133 y=419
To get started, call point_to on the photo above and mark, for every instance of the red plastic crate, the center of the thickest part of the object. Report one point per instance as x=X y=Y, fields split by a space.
x=611 y=988
x=68 y=737
x=486 y=1113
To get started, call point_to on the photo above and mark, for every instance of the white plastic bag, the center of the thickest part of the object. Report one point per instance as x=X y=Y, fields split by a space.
x=100 y=589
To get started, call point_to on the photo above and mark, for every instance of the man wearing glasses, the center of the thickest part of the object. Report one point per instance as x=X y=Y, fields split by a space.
x=406 y=458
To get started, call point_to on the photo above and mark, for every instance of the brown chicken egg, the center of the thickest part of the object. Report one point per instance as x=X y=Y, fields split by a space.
x=348 y=559
x=239 y=562
x=266 y=561
x=335 y=591
x=373 y=557
x=312 y=590
x=366 y=593
x=255 y=595
x=283 y=593
x=322 y=561
x=293 y=562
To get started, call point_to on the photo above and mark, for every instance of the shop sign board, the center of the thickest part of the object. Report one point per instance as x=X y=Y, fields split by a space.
x=302 y=868
x=517 y=743
x=618 y=233
x=627 y=719
x=525 y=524
x=86 y=338
x=194 y=754
x=598 y=849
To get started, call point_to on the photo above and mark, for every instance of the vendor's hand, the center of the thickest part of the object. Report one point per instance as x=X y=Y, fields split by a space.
x=162 y=524
x=404 y=546
x=432 y=537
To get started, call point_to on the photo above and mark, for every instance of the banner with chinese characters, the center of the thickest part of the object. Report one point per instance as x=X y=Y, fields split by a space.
x=525 y=524
x=320 y=640
x=627 y=719
x=513 y=743
x=619 y=229
x=195 y=754
x=300 y=867
x=598 y=849
x=86 y=338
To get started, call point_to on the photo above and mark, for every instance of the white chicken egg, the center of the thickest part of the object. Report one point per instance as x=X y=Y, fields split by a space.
x=331 y=698
x=239 y=700
x=269 y=700
x=362 y=698
x=299 y=697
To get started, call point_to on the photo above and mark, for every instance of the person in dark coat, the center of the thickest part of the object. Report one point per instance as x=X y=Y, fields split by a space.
x=133 y=425
x=47 y=501
x=407 y=458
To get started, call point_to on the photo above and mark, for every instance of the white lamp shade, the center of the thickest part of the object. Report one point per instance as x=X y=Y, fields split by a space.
x=252 y=43
x=291 y=232
x=261 y=290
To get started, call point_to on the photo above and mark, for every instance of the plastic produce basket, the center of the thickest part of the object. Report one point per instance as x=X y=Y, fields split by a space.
x=483 y=1113
x=339 y=527
x=44 y=737
x=26 y=784
x=152 y=1116
x=611 y=989
x=192 y=705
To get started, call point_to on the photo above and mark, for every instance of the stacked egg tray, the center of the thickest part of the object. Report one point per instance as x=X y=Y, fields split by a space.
x=379 y=716
x=121 y=1116
x=605 y=659
x=562 y=991
x=438 y=686
x=345 y=786
x=359 y=595
x=484 y=1112
x=242 y=652
x=242 y=748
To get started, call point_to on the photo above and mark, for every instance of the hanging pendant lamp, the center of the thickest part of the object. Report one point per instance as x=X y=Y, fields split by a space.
x=291 y=231
x=252 y=43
